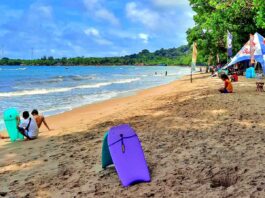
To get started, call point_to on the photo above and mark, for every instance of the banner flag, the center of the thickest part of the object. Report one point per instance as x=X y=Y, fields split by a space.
x=229 y=44
x=194 y=57
x=252 y=49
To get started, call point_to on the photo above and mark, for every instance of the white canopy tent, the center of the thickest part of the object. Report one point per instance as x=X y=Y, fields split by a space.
x=244 y=53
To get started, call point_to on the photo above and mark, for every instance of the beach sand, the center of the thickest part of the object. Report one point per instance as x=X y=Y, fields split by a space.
x=197 y=142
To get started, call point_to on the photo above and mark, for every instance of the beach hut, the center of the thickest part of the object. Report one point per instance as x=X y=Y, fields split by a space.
x=244 y=53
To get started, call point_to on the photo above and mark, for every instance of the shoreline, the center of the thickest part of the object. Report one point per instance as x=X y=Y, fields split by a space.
x=197 y=143
x=102 y=108
x=123 y=97
x=88 y=87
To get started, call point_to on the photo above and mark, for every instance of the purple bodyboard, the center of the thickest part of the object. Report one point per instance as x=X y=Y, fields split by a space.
x=127 y=155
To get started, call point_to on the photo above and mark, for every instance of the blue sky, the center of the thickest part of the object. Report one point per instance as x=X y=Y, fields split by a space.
x=92 y=28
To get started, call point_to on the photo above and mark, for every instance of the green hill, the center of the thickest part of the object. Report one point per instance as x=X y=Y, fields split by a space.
x=172 y=56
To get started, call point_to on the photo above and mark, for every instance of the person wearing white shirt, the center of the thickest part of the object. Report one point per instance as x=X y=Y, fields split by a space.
x=28 y=126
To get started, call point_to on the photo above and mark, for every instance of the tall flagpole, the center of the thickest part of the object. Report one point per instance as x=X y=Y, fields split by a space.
x=194 y=59
x=191 y=73
x=252 y=50
x=191 y=66
x=229 y=45
x=227 y=53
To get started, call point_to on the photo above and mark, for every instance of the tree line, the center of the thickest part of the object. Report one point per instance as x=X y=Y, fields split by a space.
x=172 y=56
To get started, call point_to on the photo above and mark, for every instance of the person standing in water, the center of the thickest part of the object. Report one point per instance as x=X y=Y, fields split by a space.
x=39 y=119
x=166 y=73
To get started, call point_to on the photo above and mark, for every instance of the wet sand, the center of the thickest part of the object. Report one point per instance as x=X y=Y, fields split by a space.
x=197 y=142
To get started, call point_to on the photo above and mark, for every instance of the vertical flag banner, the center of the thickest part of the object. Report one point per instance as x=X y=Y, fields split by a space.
x=229 y=44
x=252 y=49
x=217 y=58
x=194 y=57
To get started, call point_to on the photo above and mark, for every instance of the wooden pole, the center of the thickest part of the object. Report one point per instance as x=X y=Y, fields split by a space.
x=191 y=74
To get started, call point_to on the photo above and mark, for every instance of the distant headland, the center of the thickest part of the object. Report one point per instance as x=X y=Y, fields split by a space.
x=163 y=57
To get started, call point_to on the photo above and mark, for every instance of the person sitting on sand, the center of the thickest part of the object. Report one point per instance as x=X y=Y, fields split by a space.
x=228 y=88
x=39 y=119
x=28 y=126
x=234 y=77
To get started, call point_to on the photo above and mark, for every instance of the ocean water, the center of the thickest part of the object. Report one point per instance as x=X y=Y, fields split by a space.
x=56 y=89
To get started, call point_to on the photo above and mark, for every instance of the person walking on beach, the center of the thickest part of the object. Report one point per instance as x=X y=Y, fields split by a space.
x=39 y=119
x=228 y=87
x=27 y=126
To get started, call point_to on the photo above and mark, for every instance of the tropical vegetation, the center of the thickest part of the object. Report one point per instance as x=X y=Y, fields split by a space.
x=214 y=18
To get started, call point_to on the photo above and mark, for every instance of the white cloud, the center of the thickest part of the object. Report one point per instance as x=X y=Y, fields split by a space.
x=107 y=15
x=170 y=3
x=96 y=8
x=46 y=10
x=144 y=37
x=92 y=32
x=75 y=26
x=96 y=36
x=102 y=41
x=145 y=16
x=91 y=4
x=124 y=34
x=38 y=12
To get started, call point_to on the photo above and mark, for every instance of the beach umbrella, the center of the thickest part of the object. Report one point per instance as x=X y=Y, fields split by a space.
x=245 y=52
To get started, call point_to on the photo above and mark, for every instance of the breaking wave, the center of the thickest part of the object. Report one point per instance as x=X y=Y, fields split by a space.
x=64 y=89
x=15 y=69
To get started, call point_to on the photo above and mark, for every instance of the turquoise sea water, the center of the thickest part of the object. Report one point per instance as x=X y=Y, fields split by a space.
x=56 y=89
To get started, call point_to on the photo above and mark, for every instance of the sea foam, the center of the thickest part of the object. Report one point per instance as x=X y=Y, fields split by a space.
x=64 y=89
